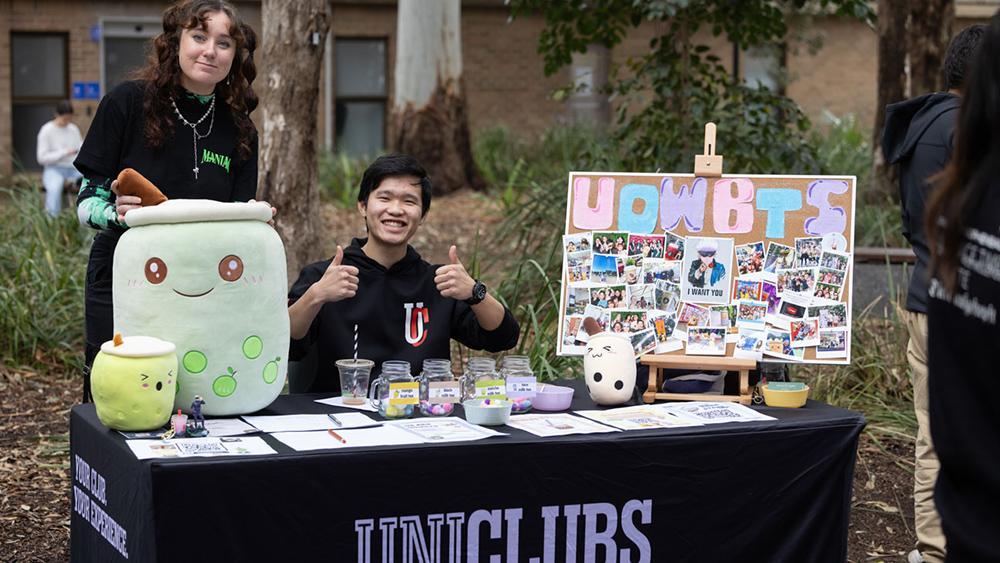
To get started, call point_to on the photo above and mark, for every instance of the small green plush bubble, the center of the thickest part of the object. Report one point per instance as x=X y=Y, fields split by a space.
x=252 y=347
x=194 y=361
x=271 y=371
x=224 y=385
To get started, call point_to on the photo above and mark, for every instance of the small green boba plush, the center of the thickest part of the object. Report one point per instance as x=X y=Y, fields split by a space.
x=133 y=380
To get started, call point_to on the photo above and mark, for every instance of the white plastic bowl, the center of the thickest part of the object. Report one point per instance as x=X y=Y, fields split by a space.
x=553 y=398
x=495 y=414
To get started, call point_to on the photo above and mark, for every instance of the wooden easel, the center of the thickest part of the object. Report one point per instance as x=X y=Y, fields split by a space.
x=705 y=165
x=658 y=362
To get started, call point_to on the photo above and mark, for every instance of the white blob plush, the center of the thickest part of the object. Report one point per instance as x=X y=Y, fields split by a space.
x=609 y=367
x=209 y=277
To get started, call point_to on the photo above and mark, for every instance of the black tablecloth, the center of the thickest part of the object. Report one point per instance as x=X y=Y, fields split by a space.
x=762 y=491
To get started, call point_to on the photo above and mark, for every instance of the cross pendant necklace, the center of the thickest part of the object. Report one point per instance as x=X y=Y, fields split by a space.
x=194 y=129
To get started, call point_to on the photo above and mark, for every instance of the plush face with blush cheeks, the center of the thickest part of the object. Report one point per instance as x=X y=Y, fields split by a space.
x=134 y=384
x=216 y=287
x=609 y=368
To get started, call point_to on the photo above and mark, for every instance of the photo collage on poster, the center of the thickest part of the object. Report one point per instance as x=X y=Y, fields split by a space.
x=667 y=293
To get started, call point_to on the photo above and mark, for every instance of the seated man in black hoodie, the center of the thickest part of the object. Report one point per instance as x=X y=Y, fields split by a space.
x=405 y=308
x=918 y=137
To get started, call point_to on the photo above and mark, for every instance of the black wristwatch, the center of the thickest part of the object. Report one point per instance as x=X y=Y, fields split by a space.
x=478 y=293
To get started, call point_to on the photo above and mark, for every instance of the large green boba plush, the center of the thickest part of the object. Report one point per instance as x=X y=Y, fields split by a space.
x=133 y=380
x=210 y=277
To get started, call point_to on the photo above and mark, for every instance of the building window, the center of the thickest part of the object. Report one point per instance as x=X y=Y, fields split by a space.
x=125 y=44
x=361 y=96
x=764 y=67
x=40 y=80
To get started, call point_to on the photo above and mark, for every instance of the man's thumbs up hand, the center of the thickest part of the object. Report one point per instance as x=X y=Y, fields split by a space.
x=338 y=282
x=452 y=280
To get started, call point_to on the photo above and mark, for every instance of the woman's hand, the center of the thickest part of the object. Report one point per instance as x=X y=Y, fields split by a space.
x=124 y=203
x=274 y=211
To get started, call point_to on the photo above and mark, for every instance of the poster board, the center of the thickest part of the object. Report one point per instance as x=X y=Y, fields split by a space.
x=642 y=255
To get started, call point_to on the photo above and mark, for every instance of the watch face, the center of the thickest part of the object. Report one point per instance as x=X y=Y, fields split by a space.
x=479 y=291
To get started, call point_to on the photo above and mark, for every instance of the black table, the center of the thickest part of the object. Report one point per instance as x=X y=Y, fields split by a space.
x=763 y=491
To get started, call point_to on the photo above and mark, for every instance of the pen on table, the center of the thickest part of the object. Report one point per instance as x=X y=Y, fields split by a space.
x=337 y=436
x=335 y=421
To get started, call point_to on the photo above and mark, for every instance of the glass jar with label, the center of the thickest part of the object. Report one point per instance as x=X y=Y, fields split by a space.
x=481 y=380
x=516 y=372
x=395 y=392
x=438 y=389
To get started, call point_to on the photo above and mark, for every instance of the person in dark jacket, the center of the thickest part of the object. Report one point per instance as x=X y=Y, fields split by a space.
x=404 y=308
x=918 y=138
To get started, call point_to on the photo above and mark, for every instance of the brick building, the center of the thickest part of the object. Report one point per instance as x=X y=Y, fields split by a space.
x=78 y=49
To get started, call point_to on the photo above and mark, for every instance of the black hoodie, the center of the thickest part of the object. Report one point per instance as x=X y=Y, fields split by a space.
x=400 y=316
x=918 y=137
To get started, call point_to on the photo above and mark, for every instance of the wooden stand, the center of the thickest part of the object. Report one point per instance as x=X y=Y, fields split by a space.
x=705 y=165
x=658 y=362
x=708 y=164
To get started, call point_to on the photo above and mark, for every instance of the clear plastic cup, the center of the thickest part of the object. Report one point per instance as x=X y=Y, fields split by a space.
x=354 y=376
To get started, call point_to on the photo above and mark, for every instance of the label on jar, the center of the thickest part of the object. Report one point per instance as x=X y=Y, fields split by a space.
x=520 y=387
x=491 y=389
x=439 y=392
x=404 y=393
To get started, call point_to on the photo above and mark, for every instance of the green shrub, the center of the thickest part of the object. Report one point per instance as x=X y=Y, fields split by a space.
x=497 y=151
x=513 y=166
x=844 y=148
x=339 y=177
x=42 y=268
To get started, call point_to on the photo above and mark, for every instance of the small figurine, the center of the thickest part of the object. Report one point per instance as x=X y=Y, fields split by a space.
x=196 y=427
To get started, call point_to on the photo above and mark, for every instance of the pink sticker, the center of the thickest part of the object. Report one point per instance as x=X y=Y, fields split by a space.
x=726 y=206
x=600 y=216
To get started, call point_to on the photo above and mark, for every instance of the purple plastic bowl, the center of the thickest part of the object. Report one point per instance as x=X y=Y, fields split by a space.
x=553 y=398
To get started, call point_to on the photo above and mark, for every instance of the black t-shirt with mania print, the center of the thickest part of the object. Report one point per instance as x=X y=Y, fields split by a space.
x=116 y=140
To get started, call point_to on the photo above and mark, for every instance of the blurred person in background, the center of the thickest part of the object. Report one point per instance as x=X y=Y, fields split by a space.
x=58 y=142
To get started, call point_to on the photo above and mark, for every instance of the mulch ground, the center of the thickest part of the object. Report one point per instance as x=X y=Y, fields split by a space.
x=34 y=428
x=34 y=466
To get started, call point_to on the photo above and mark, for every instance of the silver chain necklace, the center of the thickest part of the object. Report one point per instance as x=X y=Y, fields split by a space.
x=194 y=128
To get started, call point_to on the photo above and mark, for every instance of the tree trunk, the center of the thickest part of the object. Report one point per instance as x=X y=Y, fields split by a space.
x=293 y=39
x=891 y=88
x=430 y=120
x=928 y=35
x=913 y=39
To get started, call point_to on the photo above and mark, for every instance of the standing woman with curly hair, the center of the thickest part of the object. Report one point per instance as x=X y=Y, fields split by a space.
x=183 y=123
